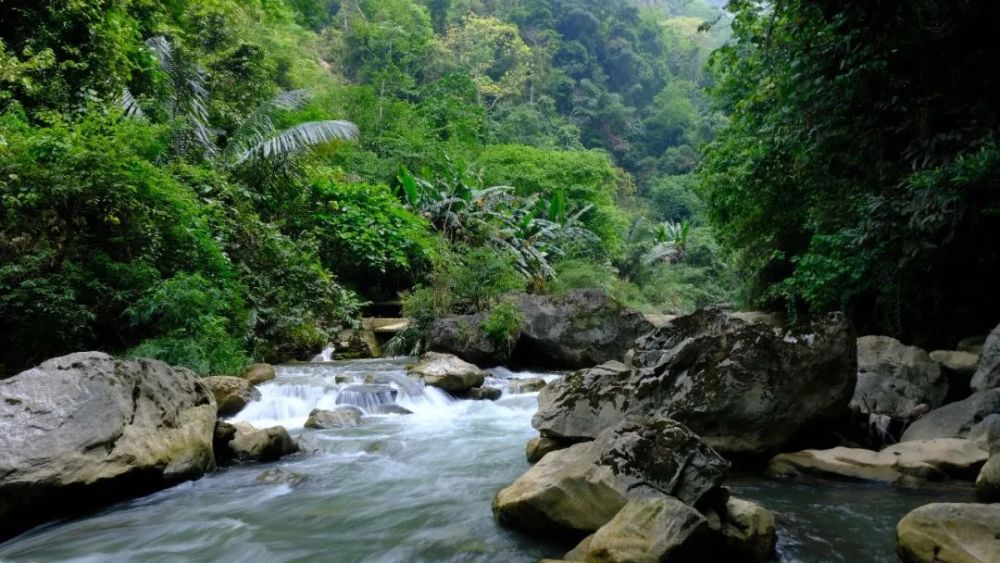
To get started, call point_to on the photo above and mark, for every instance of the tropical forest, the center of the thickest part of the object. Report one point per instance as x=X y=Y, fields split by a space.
x=615 y=281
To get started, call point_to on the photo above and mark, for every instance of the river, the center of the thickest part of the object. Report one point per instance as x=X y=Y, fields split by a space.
x=413 y=487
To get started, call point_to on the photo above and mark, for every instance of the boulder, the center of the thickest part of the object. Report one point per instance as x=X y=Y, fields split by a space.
x=988 y=481
x=308 y=443
x=279 y=476
x=341 y=417
x=962 y=363
x=448 y=372
x=484 y=394
x=581 y=328
x=259 y=373
x=955 y=420
x=747 y=389
x=538 y=447
x=525 y=385
x=231 y=393
x=742 y=531
x=649 y=530
x=391 y=408
x=950 y=532
x=987 y=375
x=267 y=444
x=83 y=430
x=580 y=488
x=972 y=345
x=986 y=434
x=908 y=463
x=895 y=380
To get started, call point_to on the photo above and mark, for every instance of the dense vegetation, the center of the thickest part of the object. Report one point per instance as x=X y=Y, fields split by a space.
x=215 y=182
x=860 y=167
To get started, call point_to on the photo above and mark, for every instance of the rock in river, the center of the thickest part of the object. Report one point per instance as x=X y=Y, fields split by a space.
x=231 y=393
x=259 y=373
x=747 y=389
x=345 y=416
x=908 y=463
x=649 y=530
x=448 y=372
x=86 y=429
x=581 y=488
x=950 y=533
x=895 y=380
x=242 y=442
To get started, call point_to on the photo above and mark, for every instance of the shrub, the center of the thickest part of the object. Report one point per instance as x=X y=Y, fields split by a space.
x=503 y=325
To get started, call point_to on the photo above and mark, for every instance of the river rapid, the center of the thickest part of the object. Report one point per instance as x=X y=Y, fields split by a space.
x=413 y=487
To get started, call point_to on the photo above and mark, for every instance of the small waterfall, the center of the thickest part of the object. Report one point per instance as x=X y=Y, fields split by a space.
x=367 y=396
x=879 y=426
x=326 y=355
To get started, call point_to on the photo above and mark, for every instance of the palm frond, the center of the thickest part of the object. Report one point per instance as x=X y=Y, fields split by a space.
x=130 y=105
x=299 y=138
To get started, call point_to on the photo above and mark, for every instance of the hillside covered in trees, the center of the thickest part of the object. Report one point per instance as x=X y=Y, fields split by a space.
x=210 y=183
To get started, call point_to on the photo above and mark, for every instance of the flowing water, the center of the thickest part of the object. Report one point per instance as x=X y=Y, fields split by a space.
x=413 y=487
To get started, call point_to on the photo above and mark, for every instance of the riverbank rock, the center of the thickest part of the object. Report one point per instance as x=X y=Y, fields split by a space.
x=83 y=430
x=747 y=389
x=581 y=488
x=650 y=530
x=448 y=372
x=987 y=376
x=538 y=447
x=908 y=463
x=988 y=481
x=231 y=393
x=258 y=374
x=484 y=394
x=742 y=531
x=955 y=420
x=526 y=385
x=580 y=328
x=341 y=417
x=244 y=443
x=950 y=532
x=895 y=380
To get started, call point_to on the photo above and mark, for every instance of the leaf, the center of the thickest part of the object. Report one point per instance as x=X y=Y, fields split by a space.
x=301 y=137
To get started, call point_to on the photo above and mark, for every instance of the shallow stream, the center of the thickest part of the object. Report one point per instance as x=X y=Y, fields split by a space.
x=412 y=487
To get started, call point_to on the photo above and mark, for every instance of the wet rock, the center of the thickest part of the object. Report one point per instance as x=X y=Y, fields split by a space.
x=267 y=444
x=747 y=389
x=391 y=408
x=972 y=345
x=651 y=530
x=742 y=531
x=342 y=378
x=231 y=393
x=908 y=463
x=341 y=417
x=279 y=476
x=988 y=481
x=955 y=420
x=448 y=372
x=580 y=488
x=259 y=373
x=484 y=394
x=581 y=328
x=525 y=385
x=308 y=444
x=950 y=532
x=894 y=379
x=987 y=376
x=538 y=447
x=83 y=430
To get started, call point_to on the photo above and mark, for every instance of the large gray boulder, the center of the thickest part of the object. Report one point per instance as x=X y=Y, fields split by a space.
x=232 y=394
x=344 y=416
x=950 y=532
x=650 y=529
x=86 y=429
x=244 y=443
x=581 y=488
x=987 y=376
x=747 y=389
x=581 y=328
x=895 y=380
x=955 y=420
x=448 y=372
